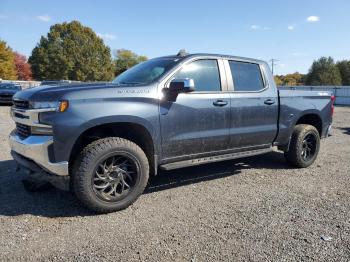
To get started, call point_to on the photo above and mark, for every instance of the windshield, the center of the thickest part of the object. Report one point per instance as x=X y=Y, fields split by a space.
x=146 y=72
x=10 y=87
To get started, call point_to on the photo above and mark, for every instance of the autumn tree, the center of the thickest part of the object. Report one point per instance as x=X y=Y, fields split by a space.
x=324 y=72
x=124 y=59
x=23 y=68
x=7 y=62
x=278 y=80
x=344 y=69
x=295 y=79
x=71 y=51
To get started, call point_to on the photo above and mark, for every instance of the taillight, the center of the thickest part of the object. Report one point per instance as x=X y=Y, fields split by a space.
x=332 y=106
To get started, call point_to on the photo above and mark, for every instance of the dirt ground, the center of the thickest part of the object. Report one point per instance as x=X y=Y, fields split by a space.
x=256 y=209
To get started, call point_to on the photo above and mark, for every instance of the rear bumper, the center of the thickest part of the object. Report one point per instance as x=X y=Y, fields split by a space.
x=34 y=149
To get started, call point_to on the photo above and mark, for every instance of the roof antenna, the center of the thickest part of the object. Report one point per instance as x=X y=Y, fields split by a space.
x=182 y=53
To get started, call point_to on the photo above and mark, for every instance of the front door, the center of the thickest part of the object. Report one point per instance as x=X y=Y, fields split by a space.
x=197 y=122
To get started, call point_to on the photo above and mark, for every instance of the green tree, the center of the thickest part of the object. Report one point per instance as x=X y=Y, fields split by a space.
x=124 y=59
x=344 y=69
x=71 y=51
x=7 y=62
x=324 y=72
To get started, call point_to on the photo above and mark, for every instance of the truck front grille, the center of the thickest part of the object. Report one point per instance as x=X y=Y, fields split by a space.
x=6 y=95
x=21 y=104
x=23 y=131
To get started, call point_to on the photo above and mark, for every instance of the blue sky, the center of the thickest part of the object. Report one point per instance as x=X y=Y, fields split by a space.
x=294 y=32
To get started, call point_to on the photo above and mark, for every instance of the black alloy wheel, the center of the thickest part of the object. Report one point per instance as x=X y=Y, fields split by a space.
x=115 y=177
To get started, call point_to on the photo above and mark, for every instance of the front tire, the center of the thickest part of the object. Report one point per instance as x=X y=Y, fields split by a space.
x=110 y=174
x=304 y=146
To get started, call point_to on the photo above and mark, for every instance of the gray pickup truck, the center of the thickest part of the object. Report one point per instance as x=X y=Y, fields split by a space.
x=7 y=91
x=106 y=139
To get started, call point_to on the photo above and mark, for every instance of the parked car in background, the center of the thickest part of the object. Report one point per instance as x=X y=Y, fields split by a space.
x=168 y=112
x=7 y=90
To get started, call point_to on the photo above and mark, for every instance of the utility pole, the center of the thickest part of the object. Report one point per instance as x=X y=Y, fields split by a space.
x=273 y=63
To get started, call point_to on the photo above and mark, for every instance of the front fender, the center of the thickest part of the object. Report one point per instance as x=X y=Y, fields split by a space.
x=82 y=116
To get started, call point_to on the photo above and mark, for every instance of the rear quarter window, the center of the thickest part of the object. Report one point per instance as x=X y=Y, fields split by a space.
x=246 y=76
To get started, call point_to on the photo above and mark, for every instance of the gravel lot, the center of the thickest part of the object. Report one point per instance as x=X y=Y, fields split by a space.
x=254 y=209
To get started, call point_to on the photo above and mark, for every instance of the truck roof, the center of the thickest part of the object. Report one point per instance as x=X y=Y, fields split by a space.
x=252 y=60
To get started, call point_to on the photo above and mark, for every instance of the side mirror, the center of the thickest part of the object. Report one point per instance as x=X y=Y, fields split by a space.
x=182 y=85
x=178 y=86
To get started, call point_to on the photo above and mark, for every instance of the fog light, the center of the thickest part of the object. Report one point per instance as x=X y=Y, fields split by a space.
x=36 y=130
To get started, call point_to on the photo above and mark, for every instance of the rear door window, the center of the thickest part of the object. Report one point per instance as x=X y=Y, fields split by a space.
x=246 y=76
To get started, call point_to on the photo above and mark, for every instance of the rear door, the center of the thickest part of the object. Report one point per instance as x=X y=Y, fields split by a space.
x=197 y=122
x=254 y=105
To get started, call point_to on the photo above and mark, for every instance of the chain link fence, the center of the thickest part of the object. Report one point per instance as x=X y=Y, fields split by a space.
x=23 y=84
x=341 y=93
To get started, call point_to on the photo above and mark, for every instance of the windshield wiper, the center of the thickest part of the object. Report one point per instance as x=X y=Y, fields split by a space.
x=130 y=83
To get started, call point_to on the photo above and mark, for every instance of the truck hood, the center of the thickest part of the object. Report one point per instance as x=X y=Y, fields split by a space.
x=57 y=92
x=8 y=91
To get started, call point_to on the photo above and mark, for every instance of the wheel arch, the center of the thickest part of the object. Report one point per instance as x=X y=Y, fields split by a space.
x=311 y=118
x=136 y=132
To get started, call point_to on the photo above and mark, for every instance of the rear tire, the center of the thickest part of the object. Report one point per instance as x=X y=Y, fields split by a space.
x=110 y=174
x=304 y=146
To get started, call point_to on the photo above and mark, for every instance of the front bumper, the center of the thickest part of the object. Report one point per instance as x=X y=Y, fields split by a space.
x=36 y=149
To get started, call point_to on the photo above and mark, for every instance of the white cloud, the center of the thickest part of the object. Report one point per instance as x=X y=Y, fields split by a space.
x=313 y=19
x=107 y=36
x=43 y=18
x=291 y=27
x=259 y=27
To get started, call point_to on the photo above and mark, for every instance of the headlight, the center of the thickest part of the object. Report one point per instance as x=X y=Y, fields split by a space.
x=42 y=105
x=59 y=106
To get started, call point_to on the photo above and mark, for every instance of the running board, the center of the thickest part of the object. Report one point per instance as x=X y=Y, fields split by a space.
x=211 y=159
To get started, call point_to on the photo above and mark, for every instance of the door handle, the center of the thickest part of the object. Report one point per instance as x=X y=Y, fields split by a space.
x=269 y=101
x=220 y=103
